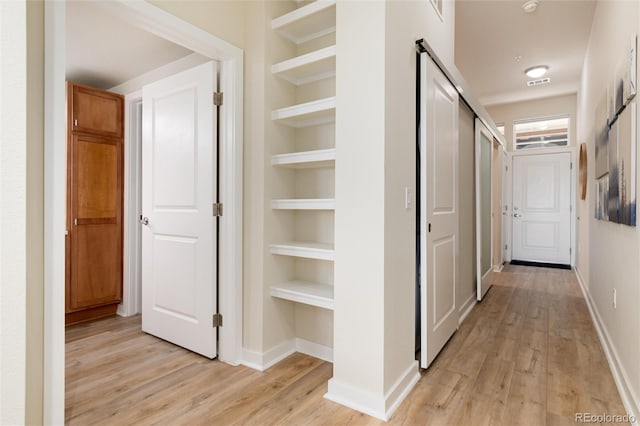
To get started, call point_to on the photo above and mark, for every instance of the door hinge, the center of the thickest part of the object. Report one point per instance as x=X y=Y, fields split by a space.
x=216 y=320
x=217 y=209
x=217 y=98
x=569 y=250
x=571 y=165
x=505 y=246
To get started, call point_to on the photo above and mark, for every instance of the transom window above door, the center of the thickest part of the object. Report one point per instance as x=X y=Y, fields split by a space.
x=541 y=132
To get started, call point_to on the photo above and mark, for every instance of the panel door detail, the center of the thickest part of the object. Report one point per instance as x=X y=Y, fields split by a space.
x=439 y=210
x=96 y=228
x=179 y=172
x=542 y=208
x=484 y=209
x=97 y=112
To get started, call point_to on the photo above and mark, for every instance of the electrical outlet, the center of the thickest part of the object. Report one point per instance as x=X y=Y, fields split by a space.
x=615 y=299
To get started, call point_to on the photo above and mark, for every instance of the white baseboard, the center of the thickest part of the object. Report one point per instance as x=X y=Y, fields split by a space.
x=315 y=350
x=262 y=360
x=498 y=268
x=629 y=399
x=375 y=405
x=466 y=308
x=401 y=388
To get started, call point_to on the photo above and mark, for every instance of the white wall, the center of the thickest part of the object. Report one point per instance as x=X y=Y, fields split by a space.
x=21 y=217
x=359 y=326
x=545 y=107
x=609 y=252
x=376 y=155
x=35 y=213
x=13 y=199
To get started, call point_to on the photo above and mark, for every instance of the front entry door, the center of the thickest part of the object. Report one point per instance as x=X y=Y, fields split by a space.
x=542 y=208
x=439 y=209
x=179 y=172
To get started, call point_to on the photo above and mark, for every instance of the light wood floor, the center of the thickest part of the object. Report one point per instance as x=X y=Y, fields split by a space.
x=528 y=354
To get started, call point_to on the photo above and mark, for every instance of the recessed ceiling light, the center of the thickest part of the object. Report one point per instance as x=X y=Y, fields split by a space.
x=530 y=6
x=537 y=71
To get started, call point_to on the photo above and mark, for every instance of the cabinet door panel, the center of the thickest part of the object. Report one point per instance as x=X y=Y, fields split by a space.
x=96 y=111
x=97 y=265
x=96 y=226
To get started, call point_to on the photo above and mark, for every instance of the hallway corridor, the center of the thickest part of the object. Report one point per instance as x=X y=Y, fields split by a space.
x=528 y=354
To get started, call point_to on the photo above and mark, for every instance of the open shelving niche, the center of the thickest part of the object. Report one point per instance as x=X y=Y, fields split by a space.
x=308 y=22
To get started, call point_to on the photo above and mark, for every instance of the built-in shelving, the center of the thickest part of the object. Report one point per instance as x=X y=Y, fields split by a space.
x=306 y=250
x=304 y=69
x=307 y=114
x=304 y=204
x=306 y=159
x=307 y=71
x=313 y=294
x=308 y=22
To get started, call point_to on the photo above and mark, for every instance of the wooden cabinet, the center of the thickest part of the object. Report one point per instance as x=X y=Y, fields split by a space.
x=94 y=202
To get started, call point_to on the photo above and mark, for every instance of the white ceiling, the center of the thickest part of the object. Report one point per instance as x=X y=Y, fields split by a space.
x=491 y=34
x=103 y=51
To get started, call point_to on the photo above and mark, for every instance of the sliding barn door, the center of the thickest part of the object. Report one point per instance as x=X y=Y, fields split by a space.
x=439 y=209
x=484 y=220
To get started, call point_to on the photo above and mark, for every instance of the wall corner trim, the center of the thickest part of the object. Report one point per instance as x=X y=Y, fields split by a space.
x=467 y=307
x=630 y=401
x=263 y=360
x=378 y=406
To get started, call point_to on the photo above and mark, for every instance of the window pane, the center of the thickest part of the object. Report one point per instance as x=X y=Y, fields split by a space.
x=542 y=133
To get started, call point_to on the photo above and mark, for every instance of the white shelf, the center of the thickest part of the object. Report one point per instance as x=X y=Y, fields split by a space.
x=306 y=159
x=308 y=68
x=313 y=294
x=312 y=113
x=307 y=22
x=318 y=251
x=304 y=204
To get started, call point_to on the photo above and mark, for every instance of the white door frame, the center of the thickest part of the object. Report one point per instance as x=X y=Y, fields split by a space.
x=169 y=27
x=131 y=283
x=573 y=182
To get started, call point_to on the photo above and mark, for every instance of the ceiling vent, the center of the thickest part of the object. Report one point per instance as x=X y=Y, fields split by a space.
x=538 y=82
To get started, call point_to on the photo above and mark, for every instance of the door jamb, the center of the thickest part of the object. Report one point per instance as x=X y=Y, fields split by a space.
x=170 y=27
x=132 y=297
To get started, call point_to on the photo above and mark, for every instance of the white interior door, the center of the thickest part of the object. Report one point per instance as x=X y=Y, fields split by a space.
x=439 y=209
x=542 y=208
x=484 y=219
x=179 y=172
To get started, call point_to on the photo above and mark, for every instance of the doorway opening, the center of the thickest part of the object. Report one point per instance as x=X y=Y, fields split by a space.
x=162 y=24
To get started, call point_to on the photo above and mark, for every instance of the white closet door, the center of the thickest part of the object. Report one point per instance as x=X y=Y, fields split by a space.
x=484 y=197
x=439 y=209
